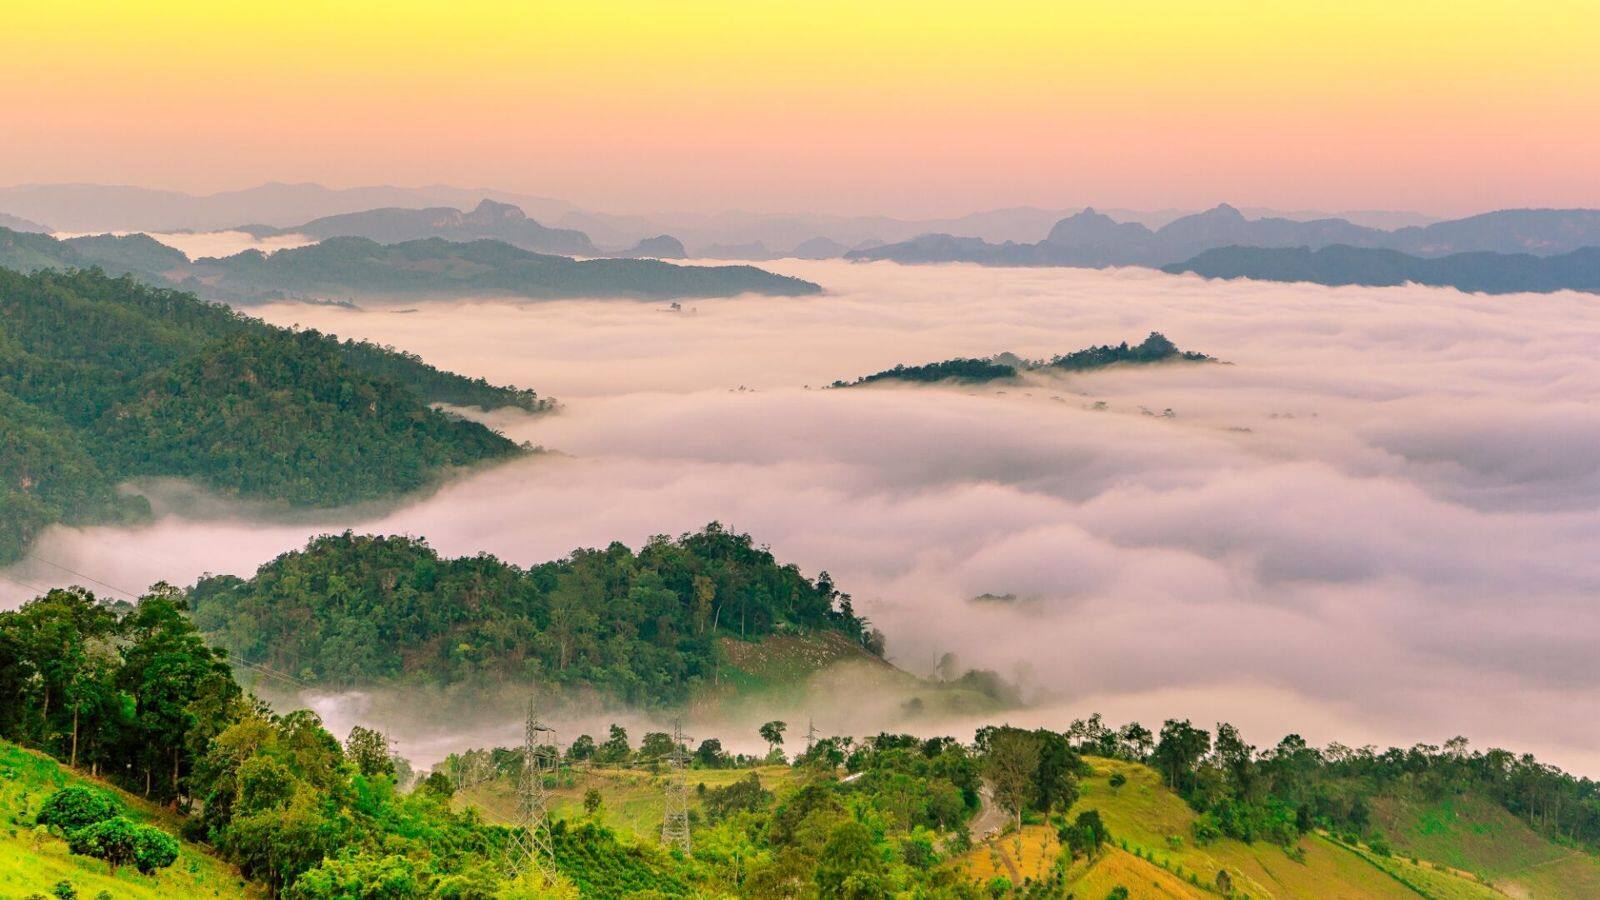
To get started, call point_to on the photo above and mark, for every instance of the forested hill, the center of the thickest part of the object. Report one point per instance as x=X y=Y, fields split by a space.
x=354 y=267
x=642 y=626
x=103 y=379
x=1155 y=348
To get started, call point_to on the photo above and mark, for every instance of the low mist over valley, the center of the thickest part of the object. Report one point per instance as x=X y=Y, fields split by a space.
x=826 y=451
x=1384 y=496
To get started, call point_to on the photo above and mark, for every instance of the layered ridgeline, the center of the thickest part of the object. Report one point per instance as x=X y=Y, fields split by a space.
x=355 y=267
x=1488 y=273
x=1536 y=250
x=132 y=692
x=1155 y=348
x=643 y=627
x=1090 y=238
x=489 y=220
x=105 y=379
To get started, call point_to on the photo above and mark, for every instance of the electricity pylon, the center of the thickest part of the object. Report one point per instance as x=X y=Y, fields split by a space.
x=675 y=815
x=532 y=850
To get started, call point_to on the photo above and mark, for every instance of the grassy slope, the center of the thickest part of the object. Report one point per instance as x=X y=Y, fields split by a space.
x=1476 y=835
x=1144 y=814
x=34 y=862
x=632 y=797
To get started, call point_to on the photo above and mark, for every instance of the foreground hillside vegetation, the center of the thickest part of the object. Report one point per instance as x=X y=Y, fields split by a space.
x=132 y=692
x=104 y=379
x=36 y=860
x=643 y=627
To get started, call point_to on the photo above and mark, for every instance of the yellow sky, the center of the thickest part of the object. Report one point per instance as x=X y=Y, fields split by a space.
x=901 y=107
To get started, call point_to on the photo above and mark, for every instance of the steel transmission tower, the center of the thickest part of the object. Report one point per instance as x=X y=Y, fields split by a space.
x=531 y=849
x=675 y=817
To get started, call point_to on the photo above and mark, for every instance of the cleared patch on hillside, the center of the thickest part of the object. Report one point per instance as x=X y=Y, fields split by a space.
x=1147 y=819
x=789 y=674
x=631 y=798
x=1471 y=833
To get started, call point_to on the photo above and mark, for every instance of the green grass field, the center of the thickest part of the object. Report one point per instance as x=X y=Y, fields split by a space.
x=1154 y=855
x=34 y=861
x=1470 y=833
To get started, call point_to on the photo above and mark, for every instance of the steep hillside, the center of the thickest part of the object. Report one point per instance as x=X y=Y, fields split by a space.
x=1154 y=854
x=1471 y=833
x=106 y=379
x=34 y=861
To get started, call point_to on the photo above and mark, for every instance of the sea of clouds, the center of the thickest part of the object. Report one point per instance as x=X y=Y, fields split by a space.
x=1378 y=522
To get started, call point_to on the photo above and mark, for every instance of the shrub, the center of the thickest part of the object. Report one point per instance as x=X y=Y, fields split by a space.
x=1118 y=779
x=74 y=807
x=119 y=840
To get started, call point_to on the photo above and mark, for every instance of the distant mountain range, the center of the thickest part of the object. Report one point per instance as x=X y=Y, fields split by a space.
x=82 y=208
x=1094 y=239
x=100 y=207
x=488 y=220
x=1489 y=273
x=354 y=267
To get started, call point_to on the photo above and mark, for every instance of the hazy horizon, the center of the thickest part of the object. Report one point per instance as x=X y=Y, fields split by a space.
x=905 y=109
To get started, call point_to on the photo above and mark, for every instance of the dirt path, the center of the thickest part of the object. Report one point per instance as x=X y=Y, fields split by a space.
x=988 y=824
x=990 y=819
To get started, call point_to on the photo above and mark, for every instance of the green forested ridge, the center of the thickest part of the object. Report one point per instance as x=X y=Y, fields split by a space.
x=1154 y=349
x=132 y=692
x=102 y=379
x=357 y=266
x=642 y=626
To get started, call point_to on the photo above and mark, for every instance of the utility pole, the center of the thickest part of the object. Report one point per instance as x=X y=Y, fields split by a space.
x=675 y=815
x=531 y=849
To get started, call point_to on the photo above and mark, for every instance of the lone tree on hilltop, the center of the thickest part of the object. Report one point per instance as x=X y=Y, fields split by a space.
x=772 y=733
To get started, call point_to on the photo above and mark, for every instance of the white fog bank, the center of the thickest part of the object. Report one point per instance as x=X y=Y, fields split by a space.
x=1380 y=523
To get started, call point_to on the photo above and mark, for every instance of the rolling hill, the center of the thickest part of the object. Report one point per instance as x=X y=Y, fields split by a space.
x=641 y=627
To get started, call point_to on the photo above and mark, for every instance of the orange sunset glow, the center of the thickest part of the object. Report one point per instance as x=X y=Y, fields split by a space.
x=910 y=108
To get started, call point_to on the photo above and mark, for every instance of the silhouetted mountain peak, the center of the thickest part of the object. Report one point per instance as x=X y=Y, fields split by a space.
x=489 y=210
x=1093 y=228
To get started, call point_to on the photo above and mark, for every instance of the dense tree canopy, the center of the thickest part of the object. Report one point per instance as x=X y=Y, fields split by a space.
x=103 y=379
x=643 y=626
